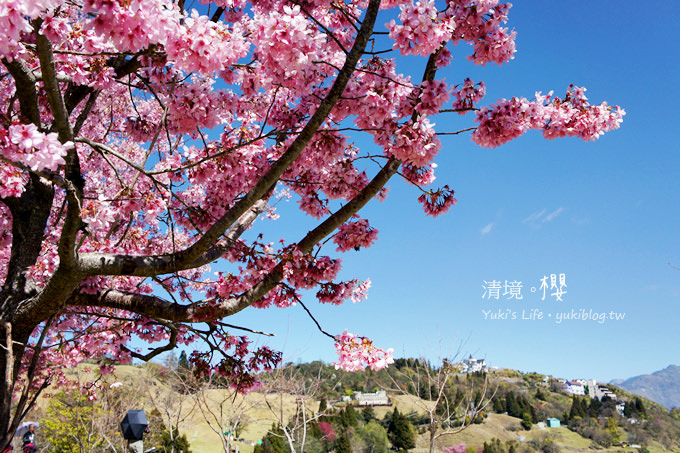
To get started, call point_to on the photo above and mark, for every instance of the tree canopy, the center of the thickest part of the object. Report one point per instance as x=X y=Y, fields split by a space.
x=141 y=139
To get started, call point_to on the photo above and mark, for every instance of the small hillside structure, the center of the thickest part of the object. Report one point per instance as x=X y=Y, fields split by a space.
x=575 y=388
x=553 y=423
x=599 y=391
x=471 y=365
x=378 y=398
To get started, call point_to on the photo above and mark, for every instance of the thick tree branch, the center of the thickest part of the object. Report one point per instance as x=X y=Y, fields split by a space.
x=24 y=80
x=154 y=265
x=74 y=191
x=236 y=304
x=30 y=212
x=145 y=305
x=145 y=266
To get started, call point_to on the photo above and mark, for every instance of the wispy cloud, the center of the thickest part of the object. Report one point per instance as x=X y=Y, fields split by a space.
x=534 y=217
x=538 y=218
x=487 y=229
x=550 y=217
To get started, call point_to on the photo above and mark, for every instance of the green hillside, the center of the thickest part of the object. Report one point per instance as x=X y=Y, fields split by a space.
x=498 y=412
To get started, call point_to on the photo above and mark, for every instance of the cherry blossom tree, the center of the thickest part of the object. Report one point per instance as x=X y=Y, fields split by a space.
x=141 y=139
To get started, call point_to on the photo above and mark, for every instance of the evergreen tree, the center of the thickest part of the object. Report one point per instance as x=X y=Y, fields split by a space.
x=342 y=445
x=640 y=408
x=183 y=362
x=498 y=405
x=540 y=395
x=176 y=443
x=594 y=408
x=511 y=405
x=577 y=408
x=526 y=421
x=477 y=398
x=401 y=432
x=348 y=417
x=273 y=441
x=368 y=414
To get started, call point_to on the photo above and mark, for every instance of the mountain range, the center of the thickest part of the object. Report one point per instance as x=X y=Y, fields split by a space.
x=661 y=386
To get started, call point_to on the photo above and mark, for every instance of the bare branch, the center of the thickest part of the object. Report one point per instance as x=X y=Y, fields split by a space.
x=171 y=344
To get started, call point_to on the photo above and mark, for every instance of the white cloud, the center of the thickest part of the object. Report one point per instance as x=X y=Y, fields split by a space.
x=550 y=217
x=487 y=229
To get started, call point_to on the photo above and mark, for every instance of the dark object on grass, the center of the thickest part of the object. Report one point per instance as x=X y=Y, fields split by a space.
x=134 y=425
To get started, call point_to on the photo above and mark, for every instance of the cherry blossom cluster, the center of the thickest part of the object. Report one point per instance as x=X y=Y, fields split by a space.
x=432 y=95
x=416 y=143
x=288 y=47
x=299 y=271
x=177 y=115
x=134 y=24
x=423 y=29
x=468 y=95
x=338 y=293
x=436 y=202
x=25 y=144
x=354 y=235
x=327 y=431
x=241 y=366
x=355 y=353
x=570 y=116
x=419 y=176
x=15 y=17
x=478 y=22
x=204 y=46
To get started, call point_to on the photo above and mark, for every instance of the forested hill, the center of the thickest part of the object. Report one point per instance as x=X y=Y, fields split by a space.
x=532 y=398
x=314 y=408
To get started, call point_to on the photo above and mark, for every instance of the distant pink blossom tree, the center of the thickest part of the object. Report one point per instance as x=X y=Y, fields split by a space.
x=141 y=140
x=457 y=448
x=327 y=431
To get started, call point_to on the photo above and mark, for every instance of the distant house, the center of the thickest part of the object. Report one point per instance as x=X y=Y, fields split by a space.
x=598 y=392
x=620 y=407
x=553 y=423
x=378 y=398
x=575 y=388
x=471 y=365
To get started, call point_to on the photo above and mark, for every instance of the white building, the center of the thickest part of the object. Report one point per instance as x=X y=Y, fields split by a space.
x=575 y=388
x=471 y=365
x=620 y=407
x=378 y=398
x=599 y=391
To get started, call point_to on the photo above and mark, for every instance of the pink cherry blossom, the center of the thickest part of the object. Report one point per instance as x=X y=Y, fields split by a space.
x=354 y=235
x=356 y=353
x=35 y=149
x=151 y=143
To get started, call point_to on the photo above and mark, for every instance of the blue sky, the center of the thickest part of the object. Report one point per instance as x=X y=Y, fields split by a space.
x=605 y=214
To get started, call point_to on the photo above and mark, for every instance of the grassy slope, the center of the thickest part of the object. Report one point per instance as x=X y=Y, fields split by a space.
x=260 y=418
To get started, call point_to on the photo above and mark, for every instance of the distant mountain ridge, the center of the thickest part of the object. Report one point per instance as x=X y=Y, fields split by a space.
x=661 y=386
